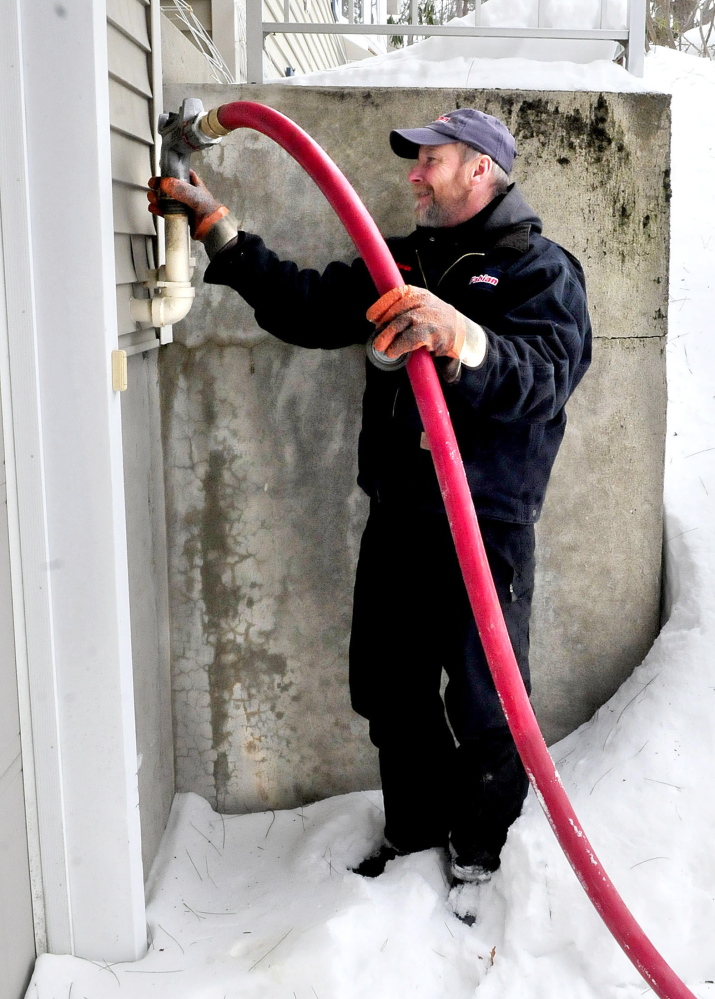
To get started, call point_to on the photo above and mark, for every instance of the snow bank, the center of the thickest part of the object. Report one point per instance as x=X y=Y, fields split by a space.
x=500 y=63
x=399 y=69
x=264 y=907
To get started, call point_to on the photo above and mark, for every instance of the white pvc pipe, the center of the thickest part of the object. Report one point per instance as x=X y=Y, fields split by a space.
x=176 y=240
x=176 y=295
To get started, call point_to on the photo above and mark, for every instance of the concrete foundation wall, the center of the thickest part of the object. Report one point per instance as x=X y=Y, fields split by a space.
x=264 y=516
x=148 y=594
x=180 y=59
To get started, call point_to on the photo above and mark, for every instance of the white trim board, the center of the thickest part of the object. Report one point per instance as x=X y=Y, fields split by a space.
x=63 y=428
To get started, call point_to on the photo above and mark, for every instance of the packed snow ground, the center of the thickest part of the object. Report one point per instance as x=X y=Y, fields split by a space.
x=263 y=907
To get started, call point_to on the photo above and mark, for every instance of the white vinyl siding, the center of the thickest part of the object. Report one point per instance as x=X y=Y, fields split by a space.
x=133 y=30
x=130 y=16
x=132 y=140
x=303 y=53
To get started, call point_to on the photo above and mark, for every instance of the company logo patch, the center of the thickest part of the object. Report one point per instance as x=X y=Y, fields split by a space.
x=404 y=267
x=484 y=279
x=443 y=117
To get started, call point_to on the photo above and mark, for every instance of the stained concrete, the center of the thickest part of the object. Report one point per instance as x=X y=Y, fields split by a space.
x=264 y=516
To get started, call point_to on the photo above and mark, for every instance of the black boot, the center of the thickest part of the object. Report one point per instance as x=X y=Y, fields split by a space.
x=374 y=865
x=467 y=875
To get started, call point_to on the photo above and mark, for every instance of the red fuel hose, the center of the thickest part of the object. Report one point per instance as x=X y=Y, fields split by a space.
x=470 y=551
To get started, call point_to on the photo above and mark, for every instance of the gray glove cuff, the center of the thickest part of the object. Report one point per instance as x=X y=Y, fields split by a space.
x=219 y=234
x=475 y=345
x=473 y=353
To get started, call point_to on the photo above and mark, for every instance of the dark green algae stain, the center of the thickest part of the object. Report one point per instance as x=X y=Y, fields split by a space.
x=595 y=132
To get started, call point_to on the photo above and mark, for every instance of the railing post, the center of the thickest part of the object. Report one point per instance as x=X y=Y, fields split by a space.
x=635 y=58
x=413 y=19
x=254 y=41
x=226 y=34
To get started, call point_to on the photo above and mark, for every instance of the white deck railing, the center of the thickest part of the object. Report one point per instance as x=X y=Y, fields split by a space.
x=632 y=37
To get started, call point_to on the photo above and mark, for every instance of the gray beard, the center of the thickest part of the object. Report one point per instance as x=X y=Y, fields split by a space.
x=436 y=216
x=432 y=216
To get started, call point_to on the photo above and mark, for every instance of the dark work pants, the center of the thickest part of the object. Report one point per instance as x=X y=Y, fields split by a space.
x=411 y=620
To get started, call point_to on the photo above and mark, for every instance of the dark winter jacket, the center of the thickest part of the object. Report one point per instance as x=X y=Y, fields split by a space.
x=498 y=270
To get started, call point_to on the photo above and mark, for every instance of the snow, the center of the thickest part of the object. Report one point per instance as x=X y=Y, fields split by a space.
x=264 y=905
x=398 y=69
x=501 y=63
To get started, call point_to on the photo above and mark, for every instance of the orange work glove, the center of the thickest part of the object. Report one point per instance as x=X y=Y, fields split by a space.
x=408 y=318
x=205 y=209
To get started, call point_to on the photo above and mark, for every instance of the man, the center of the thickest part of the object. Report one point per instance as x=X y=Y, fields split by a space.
x=503 y=310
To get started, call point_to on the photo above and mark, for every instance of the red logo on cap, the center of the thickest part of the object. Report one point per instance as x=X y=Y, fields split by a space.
x=443 y=117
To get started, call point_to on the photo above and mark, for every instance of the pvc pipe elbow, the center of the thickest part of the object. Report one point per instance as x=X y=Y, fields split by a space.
x=175 y=294
x=169 y=307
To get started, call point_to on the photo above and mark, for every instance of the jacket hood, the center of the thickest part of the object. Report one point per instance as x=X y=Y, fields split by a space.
x=507 y=210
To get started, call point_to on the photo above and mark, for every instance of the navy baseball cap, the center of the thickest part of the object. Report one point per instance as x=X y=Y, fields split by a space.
x=481 y=131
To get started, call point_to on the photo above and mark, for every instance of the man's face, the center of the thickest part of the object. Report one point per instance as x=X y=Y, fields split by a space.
x=441 y=187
